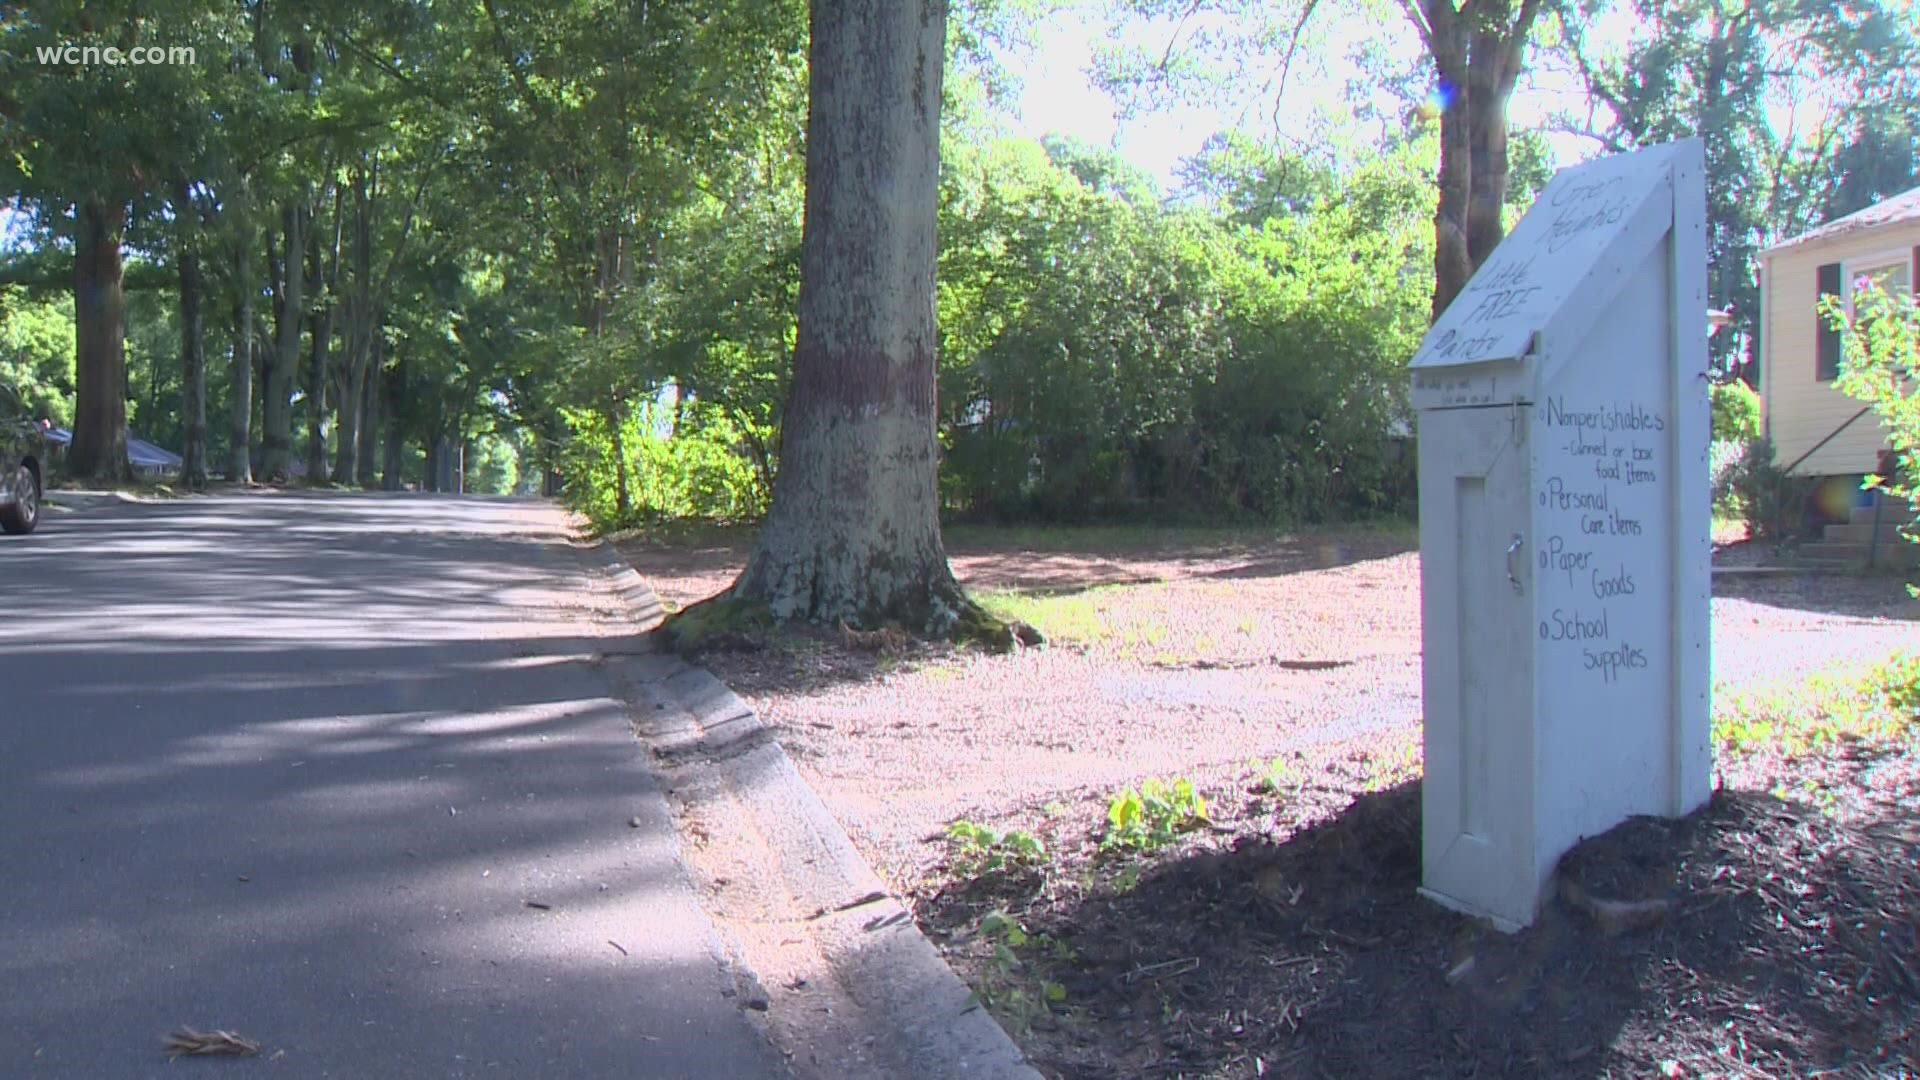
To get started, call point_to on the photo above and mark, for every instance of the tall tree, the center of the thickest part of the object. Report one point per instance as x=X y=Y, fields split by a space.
x=854 y=532
x=290 y=288
x=1844 y=79
x=1477 y=49
x=193 y=356
x=99 y=449
x=240 y=367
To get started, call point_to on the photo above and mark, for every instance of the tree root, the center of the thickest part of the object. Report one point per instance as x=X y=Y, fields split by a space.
x=727 y=622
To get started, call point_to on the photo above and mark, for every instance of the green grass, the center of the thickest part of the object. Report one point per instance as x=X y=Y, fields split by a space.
x=1075 y=617
x=1878 y=702
x=684 y=534
x=1088 y=617
x=1168 y=538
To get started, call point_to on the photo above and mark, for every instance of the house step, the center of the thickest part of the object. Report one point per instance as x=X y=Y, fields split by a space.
x=1861 y=534
x=1855 y=554
x=1890 y=510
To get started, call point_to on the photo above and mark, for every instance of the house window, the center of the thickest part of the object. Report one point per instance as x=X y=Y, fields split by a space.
x=1826 y=360
x=1891 y=273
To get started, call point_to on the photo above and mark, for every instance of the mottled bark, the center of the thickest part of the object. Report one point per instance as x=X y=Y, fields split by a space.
x=1452 y=257
x=352 y=460
x=370 y=410
x=320 y=343
x=240 y=430
x=1499 y=44
x=390 y=465
x=276 y=415
x=1476 y=49
x=854 y=531
x=193 y=370
x=99 y=449
x=430 y=478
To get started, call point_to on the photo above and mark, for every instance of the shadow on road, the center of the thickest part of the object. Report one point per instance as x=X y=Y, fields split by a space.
x=342 y=774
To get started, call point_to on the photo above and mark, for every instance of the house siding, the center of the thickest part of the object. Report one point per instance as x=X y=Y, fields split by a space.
x=1800 y=409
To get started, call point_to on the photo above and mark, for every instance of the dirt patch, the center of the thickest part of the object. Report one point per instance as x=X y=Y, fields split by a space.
x=1282 y=676
x=1786 y=943
x=1199 y=653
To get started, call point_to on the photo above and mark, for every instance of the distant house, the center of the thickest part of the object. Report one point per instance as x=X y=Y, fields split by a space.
x=1815 y=428
x=147 y=459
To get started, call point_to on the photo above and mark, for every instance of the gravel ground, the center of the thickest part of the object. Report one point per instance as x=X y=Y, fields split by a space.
x=1214 y=657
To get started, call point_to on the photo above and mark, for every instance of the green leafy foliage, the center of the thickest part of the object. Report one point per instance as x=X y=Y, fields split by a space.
x=1154 y=814
x=1700 y=67
x=684 y=469
x=1102 y=355
x=977 y=850
x=36 y=352
x=1736 y=412
x=1877 y=702
x=1880 y=365
x=1016 y=993
x=1279 y=777
x=1774 y=503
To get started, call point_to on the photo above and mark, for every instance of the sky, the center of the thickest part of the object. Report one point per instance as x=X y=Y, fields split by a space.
x=1059 y=96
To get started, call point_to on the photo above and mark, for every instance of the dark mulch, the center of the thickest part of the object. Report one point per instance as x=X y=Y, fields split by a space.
x=1790 y=945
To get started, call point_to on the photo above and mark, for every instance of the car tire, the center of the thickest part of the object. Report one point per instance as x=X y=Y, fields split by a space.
x=23 y=513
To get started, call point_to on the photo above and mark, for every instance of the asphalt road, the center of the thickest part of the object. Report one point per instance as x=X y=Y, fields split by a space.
x=295 y=766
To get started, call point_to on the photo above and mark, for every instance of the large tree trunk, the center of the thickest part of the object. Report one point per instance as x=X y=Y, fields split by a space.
x=276 y=415
x=1476 y=50
x=351 y=460
x=393 y=383
x=320 y=341
x=1499 y=45
x=99 y=450
x=1447 y=38
x=370 y=411
x=854 y=531
x=240 y=454
x=346 y=453
x=193 y=370
x=1486 y=152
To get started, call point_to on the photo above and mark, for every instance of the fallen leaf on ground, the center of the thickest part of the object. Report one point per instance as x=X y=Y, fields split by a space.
x=190 y=1043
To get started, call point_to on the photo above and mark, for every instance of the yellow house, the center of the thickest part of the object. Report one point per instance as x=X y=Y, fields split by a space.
x=1816 y=429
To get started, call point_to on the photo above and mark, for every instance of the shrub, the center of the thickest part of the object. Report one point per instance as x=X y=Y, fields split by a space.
x=1736 y=412
x=1726 y=457
x=1774 y=503
x=694 y=470
x=1880 y=365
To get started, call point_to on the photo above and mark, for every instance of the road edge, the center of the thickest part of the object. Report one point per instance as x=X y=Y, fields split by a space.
x=906 y=993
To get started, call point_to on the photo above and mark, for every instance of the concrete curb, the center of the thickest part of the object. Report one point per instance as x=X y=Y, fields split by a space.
x=907 y=994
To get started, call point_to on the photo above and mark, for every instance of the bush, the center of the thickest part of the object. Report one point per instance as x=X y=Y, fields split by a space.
x=1881 y=366
x=1736 y=412
x=1102 y=356
x=693 y=470
x=1774 y=503
x=1726 y=457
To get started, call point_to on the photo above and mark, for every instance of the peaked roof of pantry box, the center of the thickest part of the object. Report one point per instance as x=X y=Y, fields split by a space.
x=1902 y=207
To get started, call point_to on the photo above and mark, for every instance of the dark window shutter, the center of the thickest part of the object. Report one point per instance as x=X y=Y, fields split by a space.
x=1827 y=365
x=1913 y=276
